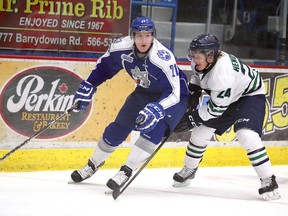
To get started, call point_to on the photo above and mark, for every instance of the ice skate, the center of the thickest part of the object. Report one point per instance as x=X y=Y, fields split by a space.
x=84 y=173
x=269 y=188
x=184 y=177
x=120 y=178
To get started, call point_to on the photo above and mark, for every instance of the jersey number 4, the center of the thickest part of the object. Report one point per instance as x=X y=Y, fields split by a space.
x=225 y=93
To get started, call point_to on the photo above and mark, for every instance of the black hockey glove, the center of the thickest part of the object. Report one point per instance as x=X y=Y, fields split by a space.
x=187 y=122
x=195 y=93
x=190 y=120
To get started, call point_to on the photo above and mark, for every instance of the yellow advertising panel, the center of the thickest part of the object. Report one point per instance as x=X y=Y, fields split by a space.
x=26 y=88
x=35 y=92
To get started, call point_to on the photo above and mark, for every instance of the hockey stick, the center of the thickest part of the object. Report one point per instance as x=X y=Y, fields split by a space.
x=39 y=132
x=116 y=193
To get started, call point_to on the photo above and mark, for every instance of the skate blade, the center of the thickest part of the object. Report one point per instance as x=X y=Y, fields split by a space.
x=72 y=182
x=108 y=191
x=272 y=195
x=182 y=184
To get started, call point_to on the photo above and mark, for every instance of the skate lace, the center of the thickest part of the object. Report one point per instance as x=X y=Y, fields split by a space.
x=86 y=171
x=266 y=182
x=120 y=178
x=186 y=172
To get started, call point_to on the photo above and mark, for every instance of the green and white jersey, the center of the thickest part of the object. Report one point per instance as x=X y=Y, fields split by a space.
x=229 y=80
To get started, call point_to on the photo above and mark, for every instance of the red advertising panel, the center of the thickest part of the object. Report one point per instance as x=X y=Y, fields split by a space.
x=62 y=25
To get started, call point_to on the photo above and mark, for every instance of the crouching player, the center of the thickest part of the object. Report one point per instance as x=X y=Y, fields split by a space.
x=237 y=96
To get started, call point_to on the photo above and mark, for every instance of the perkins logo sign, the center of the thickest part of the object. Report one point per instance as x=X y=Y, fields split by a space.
x=34 y=97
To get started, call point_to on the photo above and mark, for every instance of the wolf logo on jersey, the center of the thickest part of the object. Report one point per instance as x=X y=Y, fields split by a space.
x=140 y=77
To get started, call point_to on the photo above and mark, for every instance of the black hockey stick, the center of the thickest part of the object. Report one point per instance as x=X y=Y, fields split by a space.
x=39 y=132
x=116 y=193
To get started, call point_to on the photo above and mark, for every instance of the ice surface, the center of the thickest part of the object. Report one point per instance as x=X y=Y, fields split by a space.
x=214 y=191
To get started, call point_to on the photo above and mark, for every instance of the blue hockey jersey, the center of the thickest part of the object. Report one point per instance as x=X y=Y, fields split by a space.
x=157 y=73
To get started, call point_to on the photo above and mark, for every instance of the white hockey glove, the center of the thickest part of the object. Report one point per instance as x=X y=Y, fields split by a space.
x=149 y=117
x=83 y=95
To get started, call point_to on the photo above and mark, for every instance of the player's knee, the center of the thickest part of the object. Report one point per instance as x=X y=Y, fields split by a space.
x=104 y=147
x=155 y=136
x=145 y=144
x=115 y=134
x=249 y=139
x=201 y=135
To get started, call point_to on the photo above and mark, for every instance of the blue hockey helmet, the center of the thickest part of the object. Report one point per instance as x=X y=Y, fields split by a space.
x=142 y=24
x=205 y=43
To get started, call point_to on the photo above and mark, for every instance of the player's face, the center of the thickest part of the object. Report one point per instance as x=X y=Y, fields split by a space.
x=198 y=60
x=143 y=40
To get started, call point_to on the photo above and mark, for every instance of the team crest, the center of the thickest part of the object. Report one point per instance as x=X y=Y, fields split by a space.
x=118 y=40
x=140 y=77
x=162 y=54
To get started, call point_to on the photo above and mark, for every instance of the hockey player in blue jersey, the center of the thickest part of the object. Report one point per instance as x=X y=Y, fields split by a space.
x=237 y=96
x=157 y=105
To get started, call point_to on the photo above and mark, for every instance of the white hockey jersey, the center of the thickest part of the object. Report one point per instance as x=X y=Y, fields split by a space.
x=226 y=82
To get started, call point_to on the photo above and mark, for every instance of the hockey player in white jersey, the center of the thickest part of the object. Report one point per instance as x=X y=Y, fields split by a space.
x=155 y=107
x=237 y=96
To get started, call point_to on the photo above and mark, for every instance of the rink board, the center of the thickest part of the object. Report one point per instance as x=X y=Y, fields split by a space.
x=71 y=149
x=69 y=159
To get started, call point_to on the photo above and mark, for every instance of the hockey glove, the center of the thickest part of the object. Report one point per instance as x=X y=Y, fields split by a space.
x=195 y=93
x=149 y=117
x=84 y=95
x=190 y=120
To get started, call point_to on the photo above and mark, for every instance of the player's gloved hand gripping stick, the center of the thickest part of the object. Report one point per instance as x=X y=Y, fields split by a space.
x=75 y=106
x=83 y=95
x=191 y=118
x=149 y=117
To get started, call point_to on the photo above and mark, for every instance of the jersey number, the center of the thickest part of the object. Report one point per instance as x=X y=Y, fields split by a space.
x=225 y=93
x=175 y=70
